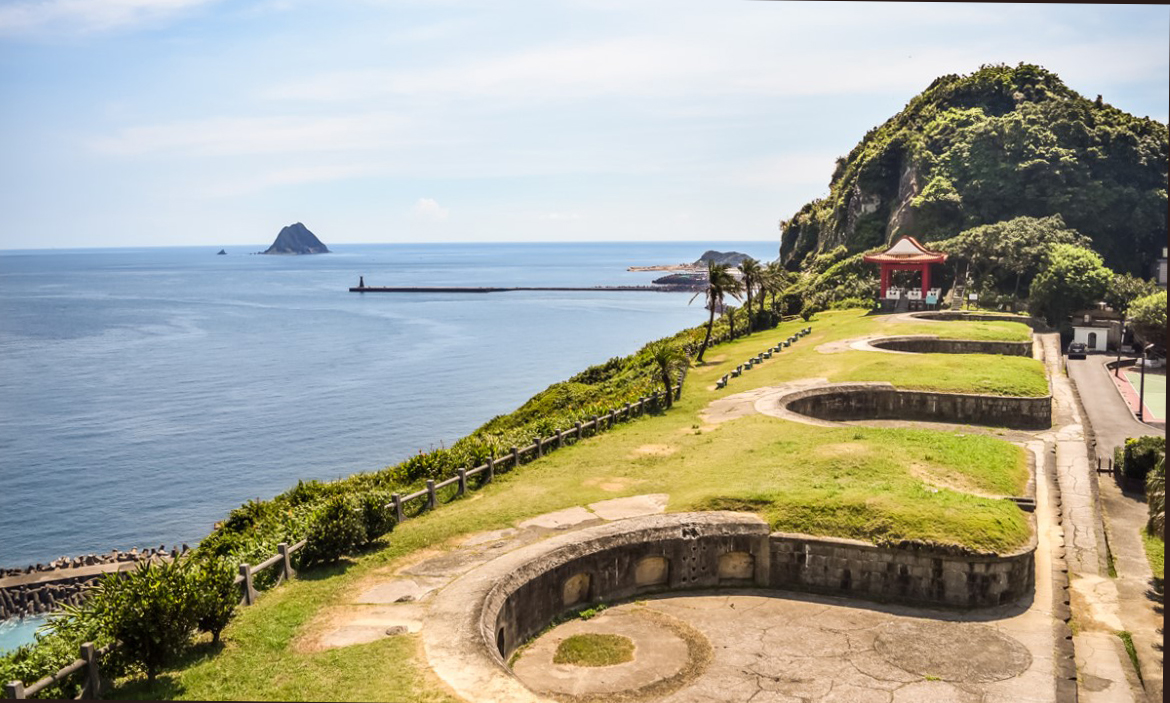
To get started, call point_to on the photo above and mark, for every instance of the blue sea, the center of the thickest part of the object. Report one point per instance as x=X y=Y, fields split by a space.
x=144 y=393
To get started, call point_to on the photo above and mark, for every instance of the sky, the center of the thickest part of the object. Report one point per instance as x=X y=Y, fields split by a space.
x=217 y=122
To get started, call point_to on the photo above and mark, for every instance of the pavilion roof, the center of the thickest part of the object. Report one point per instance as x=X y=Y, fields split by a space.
x=906 y=250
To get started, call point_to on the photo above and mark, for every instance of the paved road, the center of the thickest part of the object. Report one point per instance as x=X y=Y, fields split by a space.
x=1111 y=418
x=1125 y=516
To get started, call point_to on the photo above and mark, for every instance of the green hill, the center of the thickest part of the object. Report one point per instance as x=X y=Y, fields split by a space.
x=999 y=143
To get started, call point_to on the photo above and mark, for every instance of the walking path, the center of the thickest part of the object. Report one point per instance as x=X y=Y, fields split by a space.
x=1104 y=672
x=1140 y=608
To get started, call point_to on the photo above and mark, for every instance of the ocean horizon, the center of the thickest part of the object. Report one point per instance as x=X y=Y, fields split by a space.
x=146 y=392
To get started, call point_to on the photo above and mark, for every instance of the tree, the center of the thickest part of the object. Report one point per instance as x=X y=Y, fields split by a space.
x=1149 y=319
x=750 y=268
x=1073 y=278
x=1010 y=249
x=720 y=283
x=1126 y=288
x=669 y=360
x=772 y=282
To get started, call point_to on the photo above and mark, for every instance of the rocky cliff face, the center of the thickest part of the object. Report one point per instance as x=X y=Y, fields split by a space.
x=997 y=144
x=296 y=239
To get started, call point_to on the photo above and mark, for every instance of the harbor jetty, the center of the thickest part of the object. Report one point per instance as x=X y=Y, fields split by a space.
x=682 y=288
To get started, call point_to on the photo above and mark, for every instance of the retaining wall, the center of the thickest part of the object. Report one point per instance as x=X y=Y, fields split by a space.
x=921 y=344
x=1036 y=324
x=882 y=401
x=691 y=551
x=909 y=573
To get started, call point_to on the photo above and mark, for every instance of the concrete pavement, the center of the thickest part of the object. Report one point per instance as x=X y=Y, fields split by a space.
x=1139 y=607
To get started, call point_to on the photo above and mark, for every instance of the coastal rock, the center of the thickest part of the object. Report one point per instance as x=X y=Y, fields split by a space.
x=296 y=239
x=731 y=258
x=221 y=252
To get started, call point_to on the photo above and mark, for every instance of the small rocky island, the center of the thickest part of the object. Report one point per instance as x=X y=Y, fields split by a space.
x=221 y=252
x=296 y=239
x=731 y=258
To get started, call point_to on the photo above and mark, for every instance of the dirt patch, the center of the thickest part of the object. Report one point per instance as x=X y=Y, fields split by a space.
x=654 y=450
x=932 y=475
x=612 y=484
x=842 y=449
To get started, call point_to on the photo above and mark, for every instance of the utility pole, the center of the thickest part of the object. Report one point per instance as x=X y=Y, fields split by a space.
x=1142 y=394
x=1120 y=341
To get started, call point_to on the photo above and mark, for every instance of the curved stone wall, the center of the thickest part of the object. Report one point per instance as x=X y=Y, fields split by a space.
x=929 y=344
x=1036 y=324
x=882 y=401
x=655 y=554
x=478 y=621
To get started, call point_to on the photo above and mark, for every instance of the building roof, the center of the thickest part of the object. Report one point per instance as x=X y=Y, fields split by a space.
x=906 y=250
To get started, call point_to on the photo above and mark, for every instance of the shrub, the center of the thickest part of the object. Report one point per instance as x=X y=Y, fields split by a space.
x=337 y=529
x=152 y=610
x=1156 y=498
x=214 y=583
x=1141 y=454
x=376 y=517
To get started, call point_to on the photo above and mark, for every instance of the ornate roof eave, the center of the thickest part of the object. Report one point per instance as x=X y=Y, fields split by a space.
x=906 y=250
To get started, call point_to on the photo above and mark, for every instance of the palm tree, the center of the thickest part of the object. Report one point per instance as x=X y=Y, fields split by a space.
x=720 y=283
x=750 y=268
x=669 y=359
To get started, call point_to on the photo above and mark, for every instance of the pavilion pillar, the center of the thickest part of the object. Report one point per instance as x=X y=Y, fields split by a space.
x=885 y=279
x=925 y=279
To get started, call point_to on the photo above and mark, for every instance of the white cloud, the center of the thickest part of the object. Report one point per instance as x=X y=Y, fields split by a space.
x=429 y=209
x=225 y=136
x=89 y=15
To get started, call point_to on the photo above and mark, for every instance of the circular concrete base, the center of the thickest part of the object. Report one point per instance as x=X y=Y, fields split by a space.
x=667 y=654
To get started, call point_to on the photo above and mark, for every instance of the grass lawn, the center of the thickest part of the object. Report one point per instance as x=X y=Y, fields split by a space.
x=868 y=483
x=594 y=650
x=1156 y=553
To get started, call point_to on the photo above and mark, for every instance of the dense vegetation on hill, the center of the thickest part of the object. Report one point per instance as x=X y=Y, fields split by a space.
x=991 y=146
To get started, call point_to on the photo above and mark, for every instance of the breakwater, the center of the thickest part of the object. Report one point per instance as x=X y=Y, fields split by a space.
x=671 y=288
x=46 y=588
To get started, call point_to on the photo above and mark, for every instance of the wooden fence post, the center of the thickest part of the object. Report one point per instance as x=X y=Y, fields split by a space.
x=596 y=424
x=577 y=425
x=560 y=438
x=627 y=412
x=491 y=470
x=14 y=690
x=539 y=444
x=462 y=482
x=515 y=457
x=397 y=501
x=432 y=499
x=249 y=591
x=286 y=561
x=93 y=680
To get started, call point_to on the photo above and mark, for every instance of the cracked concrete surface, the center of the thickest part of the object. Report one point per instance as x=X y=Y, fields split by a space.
x=1104 y=672
x=794 y=647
